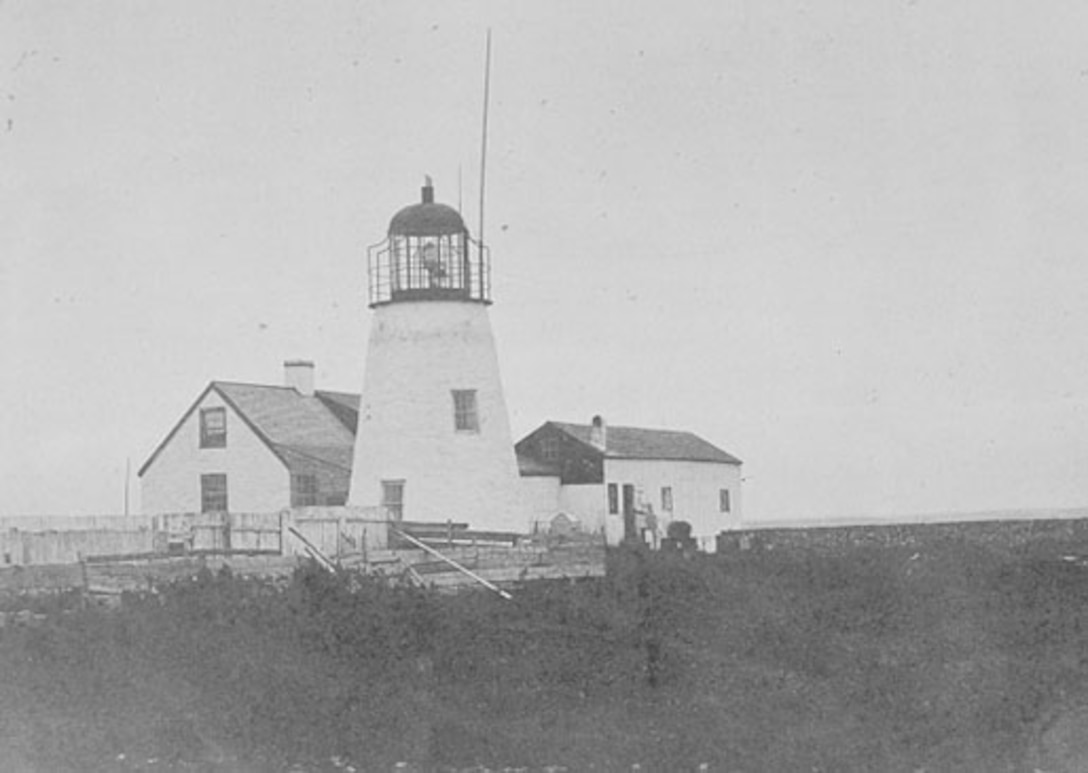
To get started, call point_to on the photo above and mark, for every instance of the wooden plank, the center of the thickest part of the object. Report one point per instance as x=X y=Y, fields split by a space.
x=436 y=528
x=456 y=566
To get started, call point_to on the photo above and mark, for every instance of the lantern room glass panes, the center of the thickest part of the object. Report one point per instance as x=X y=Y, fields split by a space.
x=438 y=267
x=427 y=263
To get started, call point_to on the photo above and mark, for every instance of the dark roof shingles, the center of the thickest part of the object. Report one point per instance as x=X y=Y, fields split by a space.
x=285 y=417
x=638 y=443
x=306 y=432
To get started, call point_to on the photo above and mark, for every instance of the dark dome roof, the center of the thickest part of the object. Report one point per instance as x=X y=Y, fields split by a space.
x=426 y=219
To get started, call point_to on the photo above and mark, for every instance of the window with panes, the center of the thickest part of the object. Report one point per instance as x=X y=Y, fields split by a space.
x=213 y=493
x=213 y=427
x=465 y=415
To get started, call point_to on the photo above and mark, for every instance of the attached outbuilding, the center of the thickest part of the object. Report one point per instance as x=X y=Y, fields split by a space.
x=630 y=482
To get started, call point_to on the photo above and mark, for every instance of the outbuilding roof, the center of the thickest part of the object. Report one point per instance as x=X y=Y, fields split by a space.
x=640 y=443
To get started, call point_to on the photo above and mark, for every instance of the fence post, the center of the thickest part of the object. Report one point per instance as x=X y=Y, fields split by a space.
x=341 y=532
x=86 y=590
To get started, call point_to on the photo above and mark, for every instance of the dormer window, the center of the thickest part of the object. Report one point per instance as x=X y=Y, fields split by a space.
x=213 y=427
x=465 y=416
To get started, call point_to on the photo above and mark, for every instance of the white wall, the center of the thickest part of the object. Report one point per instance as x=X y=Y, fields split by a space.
x=417 y=354
x=695 y=487
x=589 y=503
x=257 y=481
x=541 y=496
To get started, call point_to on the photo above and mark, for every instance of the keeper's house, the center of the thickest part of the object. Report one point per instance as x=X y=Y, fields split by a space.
x=254 y=448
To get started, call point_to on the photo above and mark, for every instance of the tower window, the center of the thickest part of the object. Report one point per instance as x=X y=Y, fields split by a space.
x=393 y=499
x=666 y=499
x=213 y=493
x=303 y=490
x=213 y=427
x=723 y=500
x=465 y=416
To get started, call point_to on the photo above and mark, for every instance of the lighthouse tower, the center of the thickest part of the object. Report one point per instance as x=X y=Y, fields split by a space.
x=433 y=440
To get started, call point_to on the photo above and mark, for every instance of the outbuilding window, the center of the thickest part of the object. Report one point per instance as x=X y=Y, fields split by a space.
x=666 y=499
x=213 y=493
x=465 y=415
x=213 y=427
x=613 y=498
x=723 y=500
x=549 y=449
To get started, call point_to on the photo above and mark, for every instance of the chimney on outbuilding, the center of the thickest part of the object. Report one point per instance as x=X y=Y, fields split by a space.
x=299 y=375
x=598 y=434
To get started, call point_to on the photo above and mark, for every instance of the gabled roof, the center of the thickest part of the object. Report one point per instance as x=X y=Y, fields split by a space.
x=344 y=405
x=639 y=443
x=307 y=433
x=284 y=417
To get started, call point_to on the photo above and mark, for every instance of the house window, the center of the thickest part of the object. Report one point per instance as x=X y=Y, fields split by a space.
x=666 y=499
x=549 y=449
x=613 y=498
x=213 y=493
x=393 y=499
x=465 y=416
x=213 y=427
x=303 y=490
x=723 y=500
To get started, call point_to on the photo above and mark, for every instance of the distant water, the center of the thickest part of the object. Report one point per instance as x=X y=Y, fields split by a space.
x=1027 y=514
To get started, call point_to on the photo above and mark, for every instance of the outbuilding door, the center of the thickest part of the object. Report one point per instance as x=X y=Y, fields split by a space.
x=630 y=530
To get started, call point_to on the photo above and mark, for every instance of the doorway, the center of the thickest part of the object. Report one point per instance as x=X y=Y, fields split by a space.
x=630 y=528
x=393 y=499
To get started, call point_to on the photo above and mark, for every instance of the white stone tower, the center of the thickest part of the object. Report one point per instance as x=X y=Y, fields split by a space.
x=433 y=441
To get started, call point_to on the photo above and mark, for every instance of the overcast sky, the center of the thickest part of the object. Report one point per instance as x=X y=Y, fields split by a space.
x=844 y=241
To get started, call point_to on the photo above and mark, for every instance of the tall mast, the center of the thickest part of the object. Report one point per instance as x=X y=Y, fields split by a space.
x=483 y=141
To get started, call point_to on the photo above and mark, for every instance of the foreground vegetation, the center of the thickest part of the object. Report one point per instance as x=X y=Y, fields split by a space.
x=876 y=659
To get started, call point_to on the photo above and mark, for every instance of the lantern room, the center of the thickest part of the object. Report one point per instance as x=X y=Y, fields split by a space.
x=428 y=256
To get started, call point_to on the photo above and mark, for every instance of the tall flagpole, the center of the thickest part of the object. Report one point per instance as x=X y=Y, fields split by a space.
x=483 y=142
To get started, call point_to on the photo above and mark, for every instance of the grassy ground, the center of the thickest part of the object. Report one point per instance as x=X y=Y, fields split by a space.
x=875 y=659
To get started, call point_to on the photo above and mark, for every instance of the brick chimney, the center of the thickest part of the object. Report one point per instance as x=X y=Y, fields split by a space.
x=598 y=434
x=299 y=375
